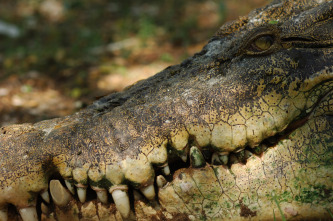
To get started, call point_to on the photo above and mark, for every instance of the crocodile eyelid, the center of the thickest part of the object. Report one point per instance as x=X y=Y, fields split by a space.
x=269 y=32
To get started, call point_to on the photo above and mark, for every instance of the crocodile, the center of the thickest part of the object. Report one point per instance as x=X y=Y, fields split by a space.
x=242 y=130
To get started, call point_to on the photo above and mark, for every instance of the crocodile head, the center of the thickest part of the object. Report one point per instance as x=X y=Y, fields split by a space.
x=241 y=130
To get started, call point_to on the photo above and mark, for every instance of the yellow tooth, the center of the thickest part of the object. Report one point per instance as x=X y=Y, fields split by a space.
x=120 y=198
x=160 y=181
x=166 y=170
x=45 y=195
x=29 y=214
x=224 y=158
x=82 y=193
x=184 y=157
x=70 y=186
x=149 y=192
x=3 y=214
x=196 y=158
x=102 y=195
x=44 y=208
x=215 y=159
x=59 y=194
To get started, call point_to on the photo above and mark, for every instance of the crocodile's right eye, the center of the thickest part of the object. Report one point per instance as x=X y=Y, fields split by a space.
x=263 y=43
x=262 y=40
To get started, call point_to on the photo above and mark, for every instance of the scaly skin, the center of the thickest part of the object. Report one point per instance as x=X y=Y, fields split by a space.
x=263 y=83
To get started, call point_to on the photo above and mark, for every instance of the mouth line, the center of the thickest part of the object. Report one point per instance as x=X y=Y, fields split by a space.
x=176 y=163
x=234 y=157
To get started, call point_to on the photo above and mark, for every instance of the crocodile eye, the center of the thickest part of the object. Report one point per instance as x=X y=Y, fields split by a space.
x=262 y=43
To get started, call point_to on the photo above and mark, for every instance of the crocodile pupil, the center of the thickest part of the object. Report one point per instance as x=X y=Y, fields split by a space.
x=263 y=43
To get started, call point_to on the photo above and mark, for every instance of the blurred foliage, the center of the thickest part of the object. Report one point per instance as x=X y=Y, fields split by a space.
x=60 y=47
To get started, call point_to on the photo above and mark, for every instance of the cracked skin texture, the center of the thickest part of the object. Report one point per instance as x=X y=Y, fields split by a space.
x=234 y=94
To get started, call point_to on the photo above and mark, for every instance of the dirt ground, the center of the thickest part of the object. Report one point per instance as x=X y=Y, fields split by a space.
x=33 y=95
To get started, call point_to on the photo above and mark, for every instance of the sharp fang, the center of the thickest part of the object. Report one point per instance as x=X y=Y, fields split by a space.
x=247 y=154
x=120 y=198
x=149 y=192
x=70 y=186
x=224 y=159
x=82 y=194
x=160 y=181
x=102 y=195
x=215 y=159
x=59 y=194
x=44 y=208
x=29 y=214
x=166 y=170
x=196 y=157
x=45 y=195
x=184 y=157
x=4 y=214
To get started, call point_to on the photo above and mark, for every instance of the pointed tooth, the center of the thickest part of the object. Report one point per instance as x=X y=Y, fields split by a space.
x=196 y=157
x=184 y=157
x=160 y=181
x=4 y=213
x=247 y=154
x=29 y=214
x=215 y=159
x=166 y=170
x=149 y=192
x=45 y=195
x=120 y=198
x=224 y=159
x=44 y=208
x=82 y=193
x=59 y=193
x=70 y=186
x=102 y=195
x=240 y=155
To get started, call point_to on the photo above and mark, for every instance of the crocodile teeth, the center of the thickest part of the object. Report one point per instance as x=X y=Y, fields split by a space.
x=4 y=214
x=247 y=154
x=224 y=159
x=29 y=214
x=120 y=198
x=44 y=208
x=184 y=157
x=60 y=195
x=160 y=181
x=102 y=195
x=240 y=155
x=149 y=192
x=70 y=186
x=166 y=170
x=215 y=159
x=82 y=194
x=45 y=195
x=196 y=157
